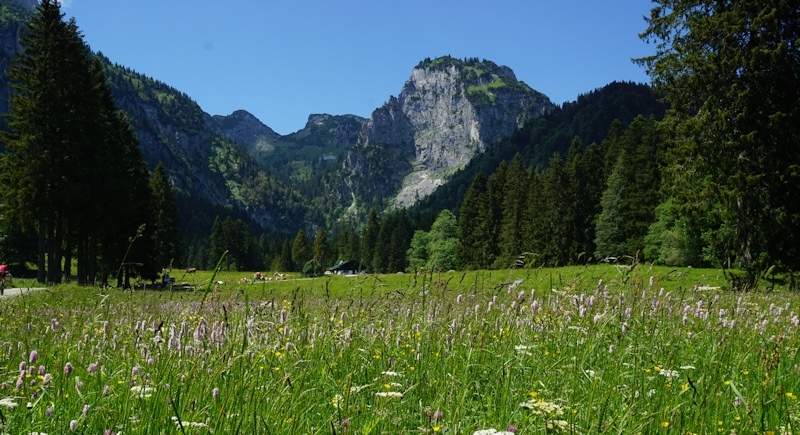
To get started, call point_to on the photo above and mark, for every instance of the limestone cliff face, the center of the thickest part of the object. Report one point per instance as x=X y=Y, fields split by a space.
x=448 y=111
x=382 y=155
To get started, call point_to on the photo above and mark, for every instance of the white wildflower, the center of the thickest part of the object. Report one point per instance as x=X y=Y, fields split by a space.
x=560 y=425
x=670 y=374
x=522 y=350
x=547 y=409
x=358 y=388
x=143 y=392
x=703 y=288
x=337 y=400
x=187 y=423
x=390 y=394
x=8 y=402
x=392 y=374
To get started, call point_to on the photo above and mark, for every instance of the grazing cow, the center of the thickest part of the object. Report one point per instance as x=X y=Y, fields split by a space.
x=191 y=270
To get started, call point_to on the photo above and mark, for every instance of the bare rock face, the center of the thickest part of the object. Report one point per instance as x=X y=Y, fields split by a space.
x=448 y=111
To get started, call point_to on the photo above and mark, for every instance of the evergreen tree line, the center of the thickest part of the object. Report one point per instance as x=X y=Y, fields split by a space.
x=595 y=204
x=75 y=183
x=380 y=245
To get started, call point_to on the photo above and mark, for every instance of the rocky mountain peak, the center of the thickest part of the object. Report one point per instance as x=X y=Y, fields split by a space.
x=448 y=111
x=243 y=128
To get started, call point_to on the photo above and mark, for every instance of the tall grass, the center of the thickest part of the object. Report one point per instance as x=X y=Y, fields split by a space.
x=572 y=350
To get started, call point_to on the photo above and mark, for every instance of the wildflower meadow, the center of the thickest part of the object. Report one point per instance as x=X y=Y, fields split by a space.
x=580 y=350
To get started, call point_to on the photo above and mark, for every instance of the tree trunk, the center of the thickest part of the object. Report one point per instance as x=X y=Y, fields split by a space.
x=40 y=260
x=91 y=261
x=54 y=253
x=81 y=255
x=67 y=259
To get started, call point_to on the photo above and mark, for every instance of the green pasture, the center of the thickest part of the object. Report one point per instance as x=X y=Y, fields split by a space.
x=595 y=349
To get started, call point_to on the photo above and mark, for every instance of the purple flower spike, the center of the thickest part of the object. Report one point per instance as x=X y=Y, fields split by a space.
x=33 y=356
x=67 y=369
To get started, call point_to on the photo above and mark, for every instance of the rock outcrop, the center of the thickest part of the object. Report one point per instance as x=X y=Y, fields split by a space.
x=243 y=128
x=448 y=111
x=331 y=131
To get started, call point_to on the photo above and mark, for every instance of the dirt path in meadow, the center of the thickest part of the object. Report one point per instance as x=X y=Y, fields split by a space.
x=16 y=291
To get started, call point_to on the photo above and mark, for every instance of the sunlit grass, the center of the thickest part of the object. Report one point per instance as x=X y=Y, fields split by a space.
x=570 y=350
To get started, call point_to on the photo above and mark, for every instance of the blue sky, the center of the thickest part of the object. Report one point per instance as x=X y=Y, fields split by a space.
x=284 y=60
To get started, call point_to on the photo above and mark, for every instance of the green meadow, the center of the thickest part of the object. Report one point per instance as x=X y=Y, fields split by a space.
x=594 y=349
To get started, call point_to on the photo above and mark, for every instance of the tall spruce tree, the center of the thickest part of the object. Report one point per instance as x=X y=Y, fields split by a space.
x=322 y=250
x=496 y=191
x=631 y=196
x=218 y=243
x=401 y=233
x=588 y=181
x=369 y=238
x=515 y=198
x=475 y=227
x=551 y=215
x=729 y=70
x=301 y=250
x=167 y=237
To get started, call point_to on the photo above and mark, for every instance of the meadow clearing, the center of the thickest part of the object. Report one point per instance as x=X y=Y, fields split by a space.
x=593 y=349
